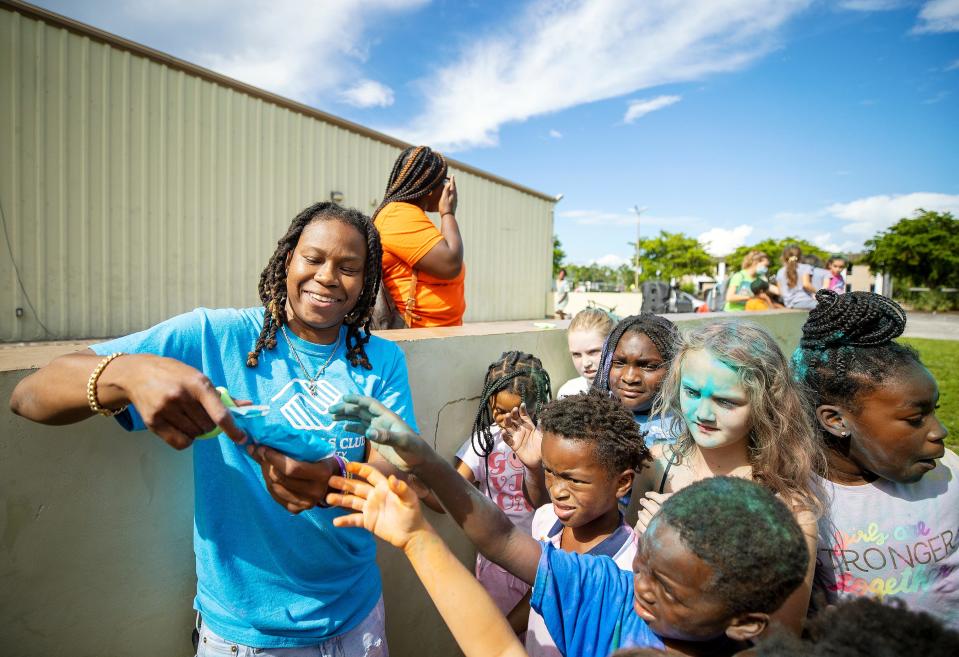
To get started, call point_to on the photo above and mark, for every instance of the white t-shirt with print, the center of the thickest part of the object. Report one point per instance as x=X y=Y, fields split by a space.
x=504 y=472
x=620 y=546
x=889 y=540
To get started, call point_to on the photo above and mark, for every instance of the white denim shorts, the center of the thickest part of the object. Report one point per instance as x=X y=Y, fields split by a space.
x=368 y=639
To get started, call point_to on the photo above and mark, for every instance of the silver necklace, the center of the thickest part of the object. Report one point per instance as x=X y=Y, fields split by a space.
x=311 y=380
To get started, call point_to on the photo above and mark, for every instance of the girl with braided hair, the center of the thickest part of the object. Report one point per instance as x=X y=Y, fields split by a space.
x=271 y=574
x=423 y=268
x=635 y=359
x=736 y=411
x=513 y=381
x=892 y=530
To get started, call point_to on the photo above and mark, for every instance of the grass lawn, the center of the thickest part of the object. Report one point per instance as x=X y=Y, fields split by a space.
x=942 y=359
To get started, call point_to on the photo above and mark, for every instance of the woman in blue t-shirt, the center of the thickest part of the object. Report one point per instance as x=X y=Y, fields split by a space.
x=265 y=578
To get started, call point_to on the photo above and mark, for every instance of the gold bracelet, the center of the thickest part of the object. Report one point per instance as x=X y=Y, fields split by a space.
x=92 y=389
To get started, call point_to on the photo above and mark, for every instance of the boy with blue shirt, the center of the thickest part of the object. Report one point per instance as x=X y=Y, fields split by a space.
x=719 y=557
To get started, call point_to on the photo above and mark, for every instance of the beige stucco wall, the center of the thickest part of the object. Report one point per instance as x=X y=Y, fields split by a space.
x=96 y=523
x=135 y=186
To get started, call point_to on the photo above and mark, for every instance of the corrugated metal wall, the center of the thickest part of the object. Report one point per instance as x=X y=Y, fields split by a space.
x=133 y=190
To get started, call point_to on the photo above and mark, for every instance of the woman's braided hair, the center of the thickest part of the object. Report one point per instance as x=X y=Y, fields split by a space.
x=272 y=286
x=416 y=173
x=660 y=331
x=519 y=373
x=847 y=346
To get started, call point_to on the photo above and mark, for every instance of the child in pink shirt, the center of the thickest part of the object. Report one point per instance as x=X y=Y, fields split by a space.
x=486 y=460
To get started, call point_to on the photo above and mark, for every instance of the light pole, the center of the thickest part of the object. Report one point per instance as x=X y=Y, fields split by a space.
x=639 y=211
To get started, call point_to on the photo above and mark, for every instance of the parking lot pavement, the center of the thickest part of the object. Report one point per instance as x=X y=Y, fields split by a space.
x=939 y=326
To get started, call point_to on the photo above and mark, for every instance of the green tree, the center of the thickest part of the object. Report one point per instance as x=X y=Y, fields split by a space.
x=774 y=249
x=921 y=251
x=671 y=255
x=558 y=255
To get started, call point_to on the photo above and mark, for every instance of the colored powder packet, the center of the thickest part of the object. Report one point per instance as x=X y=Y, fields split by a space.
x=267 y=426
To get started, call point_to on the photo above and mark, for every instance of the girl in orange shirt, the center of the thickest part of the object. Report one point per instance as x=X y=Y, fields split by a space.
x=423 y=268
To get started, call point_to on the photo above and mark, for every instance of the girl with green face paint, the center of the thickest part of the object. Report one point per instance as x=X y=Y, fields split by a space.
x=737 y=412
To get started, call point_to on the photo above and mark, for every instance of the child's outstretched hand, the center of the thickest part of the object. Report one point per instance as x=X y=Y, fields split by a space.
x=523 y=437
x=387 y=507
x=395 y=439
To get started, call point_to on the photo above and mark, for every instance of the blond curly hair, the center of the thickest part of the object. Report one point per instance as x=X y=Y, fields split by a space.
x=785 y=451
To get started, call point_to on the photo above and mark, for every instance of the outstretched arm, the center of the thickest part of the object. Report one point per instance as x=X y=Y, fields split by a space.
x=388 y=508
x=176 y=401
x=485 y=524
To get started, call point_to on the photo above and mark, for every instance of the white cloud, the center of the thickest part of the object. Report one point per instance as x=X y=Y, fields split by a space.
x=640 y=108
x=826 y=242
x=938 y=16
x=611 y=260
x=953 y=66
x=368 y=93
x=870 y=5
x=723 y=241
x=866 y=216
x=555 y=134
x=304 y=50
x=932 y=100
x=561 y=53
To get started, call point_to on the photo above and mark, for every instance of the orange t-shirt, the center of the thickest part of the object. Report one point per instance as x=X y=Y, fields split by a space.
x=757 y=304
x=407 y=235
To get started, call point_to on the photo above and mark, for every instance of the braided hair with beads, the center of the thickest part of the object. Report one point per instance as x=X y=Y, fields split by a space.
x=660 y=331
x=847 y=346
x=416 y=173
x=519 y=373
x=272 y=286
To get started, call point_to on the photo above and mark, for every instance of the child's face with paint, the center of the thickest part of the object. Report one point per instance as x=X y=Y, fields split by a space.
x=585 y=348
x=502 y=403
x=670 y=588
x=713 y=401
x=895 y=433
x=581 y=488
x=636 y=371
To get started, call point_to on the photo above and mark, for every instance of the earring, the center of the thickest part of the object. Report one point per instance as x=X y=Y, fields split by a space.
x=843 y=433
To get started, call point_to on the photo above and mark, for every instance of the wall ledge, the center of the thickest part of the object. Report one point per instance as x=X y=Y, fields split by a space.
x=34 y=355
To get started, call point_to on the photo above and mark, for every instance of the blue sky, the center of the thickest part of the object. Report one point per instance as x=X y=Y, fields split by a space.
x=729 y=120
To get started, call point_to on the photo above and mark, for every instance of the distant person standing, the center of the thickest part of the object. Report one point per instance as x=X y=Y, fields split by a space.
x=423 y=270
x=795 y=280
x=561 y=295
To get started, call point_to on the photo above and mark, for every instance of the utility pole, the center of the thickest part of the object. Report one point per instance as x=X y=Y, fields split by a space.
x=639 y=211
